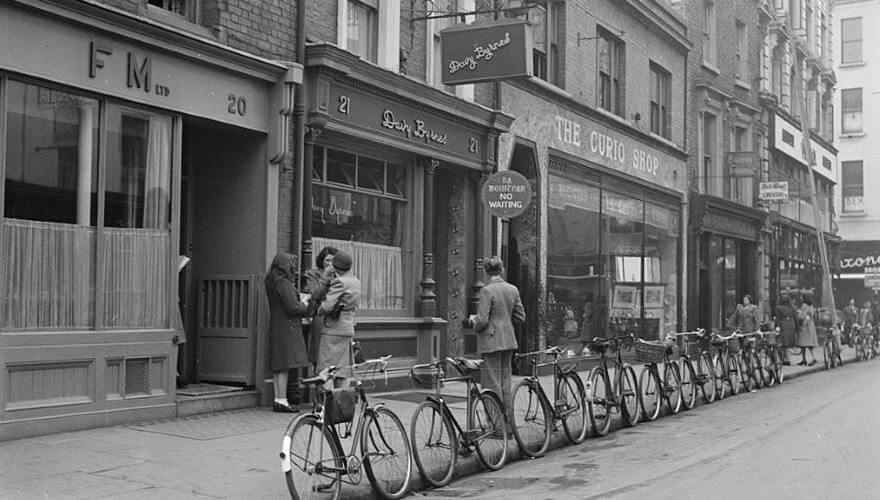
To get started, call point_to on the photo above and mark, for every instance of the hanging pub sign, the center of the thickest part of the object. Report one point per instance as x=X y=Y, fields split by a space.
x=472 y=53
x=507 y=194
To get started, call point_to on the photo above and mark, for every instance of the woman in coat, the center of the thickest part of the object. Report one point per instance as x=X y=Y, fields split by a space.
x=745 y=318
x=807 y=338
x=336 y=313
x=287 y=347
x=317 y=285
x=786 y=321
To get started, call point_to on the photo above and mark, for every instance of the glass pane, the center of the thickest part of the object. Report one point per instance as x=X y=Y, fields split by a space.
x=371 y=174
x=318 y=164
x=731 y=268
x=573 y=277
x=396 y=180
x=622 y=231
x=661 y=265
x=340 y=167
x=47 y=269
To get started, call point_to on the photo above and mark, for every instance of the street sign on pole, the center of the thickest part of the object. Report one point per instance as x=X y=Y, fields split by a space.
x=507 y=194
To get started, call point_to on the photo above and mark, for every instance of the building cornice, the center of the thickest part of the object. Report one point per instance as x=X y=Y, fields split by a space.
x=662 y=20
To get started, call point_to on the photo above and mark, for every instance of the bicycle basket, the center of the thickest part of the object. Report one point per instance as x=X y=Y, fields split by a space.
x=769 y=339
x=692 y=348
x=339 y=406
x=734 y=345
x=651 y=352
x=423 y=376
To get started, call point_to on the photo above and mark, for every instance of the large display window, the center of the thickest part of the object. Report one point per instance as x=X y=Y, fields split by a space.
x=49 y=261
x=612 y=264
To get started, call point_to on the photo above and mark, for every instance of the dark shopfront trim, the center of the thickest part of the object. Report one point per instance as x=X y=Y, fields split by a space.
x=717 y=215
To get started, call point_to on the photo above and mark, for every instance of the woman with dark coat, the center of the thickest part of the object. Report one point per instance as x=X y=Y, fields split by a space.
x=786 y=321
x=807 y=337
x=317 y=285
x=287 y=347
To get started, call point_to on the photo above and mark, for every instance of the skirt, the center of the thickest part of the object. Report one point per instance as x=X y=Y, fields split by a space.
x=335 y=350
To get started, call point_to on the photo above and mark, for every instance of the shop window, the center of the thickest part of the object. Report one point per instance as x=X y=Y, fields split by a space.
x=851 y=40
x=47 y=272
x=852 y=186
x=362 y=209
x=661 y=97
x=611 y=71
x=851 y=111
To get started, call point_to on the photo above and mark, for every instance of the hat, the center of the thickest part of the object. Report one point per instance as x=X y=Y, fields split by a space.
x=342 y=261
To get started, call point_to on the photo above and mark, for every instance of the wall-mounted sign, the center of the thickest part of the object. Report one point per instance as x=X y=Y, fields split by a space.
x=507 y=194
x=480 y=52
x=788 y=137
x=872 y=281
x=775 y=192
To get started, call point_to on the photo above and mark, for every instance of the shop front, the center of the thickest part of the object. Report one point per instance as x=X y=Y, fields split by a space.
x=136 y=180
x=396 y=169
x=859 y=273
x=608 y=242
x=726 y=239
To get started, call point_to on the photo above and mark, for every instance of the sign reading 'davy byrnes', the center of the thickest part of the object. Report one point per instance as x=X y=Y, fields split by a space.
x=479 y=52
x=507 y=194
x=776 y=192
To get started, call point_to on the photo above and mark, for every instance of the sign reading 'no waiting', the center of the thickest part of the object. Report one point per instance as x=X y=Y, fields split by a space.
x=507 y=194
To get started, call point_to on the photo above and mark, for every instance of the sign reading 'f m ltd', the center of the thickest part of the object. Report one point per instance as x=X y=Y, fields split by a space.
x=481 y=52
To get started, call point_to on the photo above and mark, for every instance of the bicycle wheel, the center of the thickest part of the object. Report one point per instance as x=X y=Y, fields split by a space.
x=487 y=416
x=719 y=369
x=629 y=396
x=688 y=384
x=602 y=402
x=309 y=452
x=745 y=371
x=574 y=410
x=706 y=377
x=769 y=364
x=434 y=444
x=827 y=355
x=649 y=390
x=781 y=356
x=734 y=373
x=672 y=387
x=531 y=419
x=387 y=454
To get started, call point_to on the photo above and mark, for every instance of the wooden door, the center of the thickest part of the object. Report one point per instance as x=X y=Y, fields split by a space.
x=226 y=328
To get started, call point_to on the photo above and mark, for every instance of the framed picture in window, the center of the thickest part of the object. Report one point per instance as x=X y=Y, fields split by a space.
x=624 y=297
x=654 y=296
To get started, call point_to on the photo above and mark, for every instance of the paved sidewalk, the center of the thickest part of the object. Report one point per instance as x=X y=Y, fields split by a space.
x=227 y=455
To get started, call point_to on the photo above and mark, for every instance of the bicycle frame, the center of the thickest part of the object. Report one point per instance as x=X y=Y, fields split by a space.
x=465 y=435
x=558 y=373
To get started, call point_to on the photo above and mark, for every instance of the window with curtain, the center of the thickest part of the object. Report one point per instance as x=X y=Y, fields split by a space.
x=851 y=111
x=363 y=28
x=359 y=205
x=661 y=95
x=611 y=70
x=851 y=40
x=47 y=271
x=852 y=186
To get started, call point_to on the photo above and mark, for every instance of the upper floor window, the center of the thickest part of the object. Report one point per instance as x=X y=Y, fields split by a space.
x=545 y=42
x=710 y=33
x=709 y=170
x=851 y=111
x=611 y=72
x=851 y=40
x=742 y=52
x=852 y=186
x=434 y=64
x=661 y=96
x=362 y=30
x=188 y=9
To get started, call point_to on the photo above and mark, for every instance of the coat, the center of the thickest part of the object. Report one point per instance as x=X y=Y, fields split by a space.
x=499 y=308
x=807 y=332
x=337 y=316
x=786 y=320
x=745 y=318
x=317 y=285
x=286 y=342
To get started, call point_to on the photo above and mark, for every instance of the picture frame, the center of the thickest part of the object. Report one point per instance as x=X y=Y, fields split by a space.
x=654 y=296
x=624 y=297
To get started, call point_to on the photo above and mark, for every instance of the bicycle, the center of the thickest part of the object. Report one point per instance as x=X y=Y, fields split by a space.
x=436 y=434
x=831 y=349
x=653 y=389
x=622 y=395
x=699 y=355
x=752 y=368
x=726 y=364
x=769 y=359
x=312 y=456
x=535 y=417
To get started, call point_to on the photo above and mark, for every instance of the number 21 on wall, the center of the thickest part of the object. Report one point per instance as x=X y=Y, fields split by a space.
x=473 y=145
x=344 y=104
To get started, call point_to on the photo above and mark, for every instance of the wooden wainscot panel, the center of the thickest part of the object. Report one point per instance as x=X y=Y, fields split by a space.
x=50 y=384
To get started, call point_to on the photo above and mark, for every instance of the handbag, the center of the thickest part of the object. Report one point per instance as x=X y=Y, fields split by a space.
x=339 y=405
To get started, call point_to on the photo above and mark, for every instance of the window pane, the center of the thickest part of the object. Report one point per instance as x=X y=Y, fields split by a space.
x=47 y=269
x=362 y=30
x=396 y=180
x=341 y=167
x=661 y=265
x=318 y=164
x=371 y=174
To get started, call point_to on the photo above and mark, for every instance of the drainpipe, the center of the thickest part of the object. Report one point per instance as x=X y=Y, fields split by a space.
x=299 y=128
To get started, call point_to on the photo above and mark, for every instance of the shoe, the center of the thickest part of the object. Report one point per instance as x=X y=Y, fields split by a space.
x=786 y=363
x=811 y=363
x=284 y=408
x=802 y=363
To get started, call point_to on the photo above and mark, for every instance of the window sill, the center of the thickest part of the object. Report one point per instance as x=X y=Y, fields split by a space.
x=855 y=64
x=163 y=16
x=711 y=68
x=743 y=85
x=853 y=215
x=853 y=135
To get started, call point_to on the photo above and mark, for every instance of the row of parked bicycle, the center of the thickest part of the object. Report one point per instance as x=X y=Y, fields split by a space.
x=675 y=374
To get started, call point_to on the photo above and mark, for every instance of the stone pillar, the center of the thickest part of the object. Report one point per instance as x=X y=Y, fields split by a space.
x=427 y=299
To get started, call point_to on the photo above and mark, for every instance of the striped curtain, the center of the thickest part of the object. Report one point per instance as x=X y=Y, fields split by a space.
x=47 y=275
x=380 y=269
x=135 y=288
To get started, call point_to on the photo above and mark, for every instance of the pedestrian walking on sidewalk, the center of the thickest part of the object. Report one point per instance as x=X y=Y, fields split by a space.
x=287 y=346
x=337 y=312
x=807 y=338
x=786 y=321
x=499 y=308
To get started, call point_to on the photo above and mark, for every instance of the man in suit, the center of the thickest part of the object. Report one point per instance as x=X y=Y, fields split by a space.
x=499 y=308
x=337 y=313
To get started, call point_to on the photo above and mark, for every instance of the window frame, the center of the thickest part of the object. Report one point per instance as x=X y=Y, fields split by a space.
x=710 y=33
x=844 y=110
x=741 y=56
x=616 y=85
x=661 y=89
x=857 y=41
x=852 y=187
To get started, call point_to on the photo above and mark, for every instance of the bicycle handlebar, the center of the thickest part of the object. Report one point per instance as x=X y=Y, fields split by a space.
x=552 y=350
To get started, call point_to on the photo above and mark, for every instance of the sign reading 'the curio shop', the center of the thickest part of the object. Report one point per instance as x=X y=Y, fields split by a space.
x=480 y=52
x=507 y=194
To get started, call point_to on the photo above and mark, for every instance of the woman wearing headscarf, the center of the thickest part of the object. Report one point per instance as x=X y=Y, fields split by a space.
x=287 y=347
x=317 y=285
